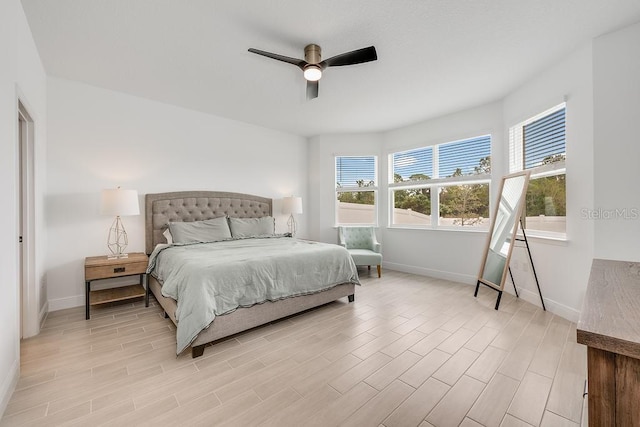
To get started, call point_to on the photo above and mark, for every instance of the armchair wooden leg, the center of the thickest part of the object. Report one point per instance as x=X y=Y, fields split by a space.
x=379 y=271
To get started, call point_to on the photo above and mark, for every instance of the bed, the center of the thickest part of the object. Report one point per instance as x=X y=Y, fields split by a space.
x=189 y=206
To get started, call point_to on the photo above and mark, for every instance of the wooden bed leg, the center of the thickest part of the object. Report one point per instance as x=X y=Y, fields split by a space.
x=197 y=351
x=352 y=297
x=166 y=316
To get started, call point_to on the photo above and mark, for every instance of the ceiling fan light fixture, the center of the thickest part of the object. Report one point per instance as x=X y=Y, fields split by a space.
x=312 y=65
x=312 y=72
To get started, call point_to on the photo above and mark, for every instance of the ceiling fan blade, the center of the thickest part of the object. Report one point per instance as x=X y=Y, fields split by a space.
x=366 y=54
x=297 y=62
x=312 y=90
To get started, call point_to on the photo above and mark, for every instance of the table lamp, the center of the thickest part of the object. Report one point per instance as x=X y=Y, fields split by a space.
x=118 y=202
x=292 y=205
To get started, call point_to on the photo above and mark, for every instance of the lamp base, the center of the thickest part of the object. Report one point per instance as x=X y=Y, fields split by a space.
x=293 y=226
x=117 y=241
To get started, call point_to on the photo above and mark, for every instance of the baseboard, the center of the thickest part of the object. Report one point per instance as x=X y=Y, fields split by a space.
x=68 y=302
x=554 y=307
x=429 y=272
x=532 y=297
x=9 y=385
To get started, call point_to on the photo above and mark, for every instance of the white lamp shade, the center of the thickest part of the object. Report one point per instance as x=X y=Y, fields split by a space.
x=292 y=205
x=119 y=202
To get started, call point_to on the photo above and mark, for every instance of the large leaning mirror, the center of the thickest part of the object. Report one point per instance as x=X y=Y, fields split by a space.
x=502 y=234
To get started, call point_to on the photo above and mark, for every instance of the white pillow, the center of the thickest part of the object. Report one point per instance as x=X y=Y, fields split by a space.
x=252 y=227
x=167 y=235
x=210 y=230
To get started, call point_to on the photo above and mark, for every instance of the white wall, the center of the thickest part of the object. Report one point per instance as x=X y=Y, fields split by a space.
x=430 y=252
x=562 y=267
x=453 y=255
x=322 y=177
x=21 y=74
x=101 y=139
x=123 y=140
x=617 y=144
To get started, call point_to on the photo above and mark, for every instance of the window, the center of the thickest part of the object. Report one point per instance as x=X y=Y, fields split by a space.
x=411 y=200
x=538 y=144
x=451 y=180
x=356 y=190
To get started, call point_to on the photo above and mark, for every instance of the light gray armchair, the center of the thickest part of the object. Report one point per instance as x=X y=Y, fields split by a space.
x=362 y=244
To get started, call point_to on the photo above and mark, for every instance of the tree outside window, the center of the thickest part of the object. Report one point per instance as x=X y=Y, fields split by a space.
x=460 y=176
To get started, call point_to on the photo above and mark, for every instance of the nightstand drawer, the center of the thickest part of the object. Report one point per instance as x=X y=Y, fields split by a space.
x=114 y=270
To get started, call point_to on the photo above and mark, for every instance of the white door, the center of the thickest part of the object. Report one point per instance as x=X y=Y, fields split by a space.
x=29 y=301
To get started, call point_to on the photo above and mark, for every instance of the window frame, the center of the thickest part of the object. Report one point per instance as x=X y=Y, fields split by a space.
x=435 y=184
x=516 y=164
x=354 y=188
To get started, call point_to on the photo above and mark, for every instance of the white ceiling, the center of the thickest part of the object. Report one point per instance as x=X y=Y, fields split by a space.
x=434 y=56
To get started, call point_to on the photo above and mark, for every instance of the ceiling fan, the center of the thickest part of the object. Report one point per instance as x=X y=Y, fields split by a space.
x=312 y=66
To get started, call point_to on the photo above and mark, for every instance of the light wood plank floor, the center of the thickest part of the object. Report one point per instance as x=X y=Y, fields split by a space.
x=411 y=351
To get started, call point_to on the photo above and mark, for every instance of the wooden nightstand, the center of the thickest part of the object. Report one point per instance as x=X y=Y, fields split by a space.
x=100 y=267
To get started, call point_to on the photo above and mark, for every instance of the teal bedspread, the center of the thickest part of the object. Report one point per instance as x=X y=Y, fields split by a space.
x=212 y=279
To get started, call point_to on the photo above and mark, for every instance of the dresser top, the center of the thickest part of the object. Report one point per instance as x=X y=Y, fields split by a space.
x=610 y=317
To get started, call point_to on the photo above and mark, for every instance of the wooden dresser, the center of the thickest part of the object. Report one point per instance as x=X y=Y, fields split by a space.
x=610 y=327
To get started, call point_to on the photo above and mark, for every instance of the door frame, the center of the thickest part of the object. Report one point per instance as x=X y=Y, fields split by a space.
x=29 y=292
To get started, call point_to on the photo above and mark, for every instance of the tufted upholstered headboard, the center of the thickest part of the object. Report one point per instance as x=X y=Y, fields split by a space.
x=186 y=206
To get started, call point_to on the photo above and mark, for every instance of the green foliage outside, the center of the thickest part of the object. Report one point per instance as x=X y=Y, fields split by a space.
x=359 y=197
x=468 y=204
x=548 y=195
x=416 y=199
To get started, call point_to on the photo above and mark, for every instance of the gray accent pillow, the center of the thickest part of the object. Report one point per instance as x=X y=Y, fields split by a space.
x=252 y=227
x=210 y=230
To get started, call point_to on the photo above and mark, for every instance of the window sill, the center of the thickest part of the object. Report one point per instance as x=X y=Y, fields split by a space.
x=541 y=238
x=531 y=236
x=428 y=228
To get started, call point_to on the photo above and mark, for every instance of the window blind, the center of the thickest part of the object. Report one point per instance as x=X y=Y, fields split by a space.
x=464 y=155
x=352 y=169
x=544 y=138
x=413 y=162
